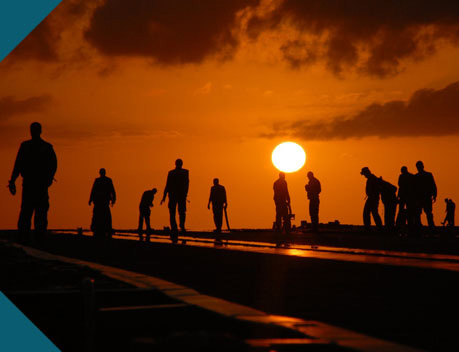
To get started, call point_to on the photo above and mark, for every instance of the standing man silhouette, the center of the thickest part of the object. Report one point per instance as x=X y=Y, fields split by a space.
x=282 y=201
x=102 y=195
x=146 y=202
x=218 y=199
x=426 y=191
x=313 y=188
x=372 y=190
x=177 y=185
x=36 y=162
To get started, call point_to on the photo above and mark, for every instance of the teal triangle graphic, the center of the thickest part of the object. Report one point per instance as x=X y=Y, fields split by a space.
x=18 y=333
x=18 y=18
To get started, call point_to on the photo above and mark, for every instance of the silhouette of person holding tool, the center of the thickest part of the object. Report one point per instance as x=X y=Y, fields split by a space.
x=102 y=195
x=372 y=190
x=177 y=185
x=146 y=202
x=36 y=162
x=282 y=202
x=218 y=199
x=313 y=189
x=406 y=199
x=426 y=191
x=450 y=210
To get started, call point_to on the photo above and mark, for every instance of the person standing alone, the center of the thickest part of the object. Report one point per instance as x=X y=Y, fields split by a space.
x=36 y=162
x=102 y=195
x=313 y=189
x=177 y=185
x=218 y=199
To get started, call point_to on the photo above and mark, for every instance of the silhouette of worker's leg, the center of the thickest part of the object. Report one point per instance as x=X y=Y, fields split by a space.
x=373 y=205
x=41 y=214
x=388 y=223
x=278 y=217
x=401 y=216
x=376 y=217
x=428 y=210
x=25 y=216
x=172 y=210
x=182 y=213
x=140 y=227
x=108 y=223
x=218 y=217
x=147 y=225
x=314 y=213
x=367 y=214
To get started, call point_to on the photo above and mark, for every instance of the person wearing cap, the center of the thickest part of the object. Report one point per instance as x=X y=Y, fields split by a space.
x=373 y=190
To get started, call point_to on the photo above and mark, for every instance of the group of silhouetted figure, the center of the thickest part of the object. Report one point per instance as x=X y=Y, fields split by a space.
x=36 y=162
x=416 y=194
x=282 y=201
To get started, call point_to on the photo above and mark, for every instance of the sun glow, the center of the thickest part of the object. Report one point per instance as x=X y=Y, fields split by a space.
x=288 y=157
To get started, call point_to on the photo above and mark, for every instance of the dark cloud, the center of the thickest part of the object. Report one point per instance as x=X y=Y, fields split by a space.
x=373 y=36
x=428 y=112
x=170 y=32
x=10 y=106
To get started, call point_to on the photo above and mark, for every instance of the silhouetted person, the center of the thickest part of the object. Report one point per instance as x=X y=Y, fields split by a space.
x=372 y=190
x=218 y=199
x=282 y=201
x=177 y=188
x=426 y=192
x=450 y=210
x=406 y=198
x=313 y=188
x=389 y=199
x=102 y=195
x=36 y=162
x=146 y=202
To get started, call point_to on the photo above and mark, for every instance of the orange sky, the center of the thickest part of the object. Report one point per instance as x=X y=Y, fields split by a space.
x=223 y=104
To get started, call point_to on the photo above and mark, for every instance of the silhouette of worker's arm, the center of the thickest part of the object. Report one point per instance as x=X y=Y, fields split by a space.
x=52 y=165
x=91 y=195
x=434 y=190
x=210 y=197
x=225 y=202
x=187 y=182
x=112 y=193
x=287 y=194
x=166 y=189
x=18 y=165
x=319 y=187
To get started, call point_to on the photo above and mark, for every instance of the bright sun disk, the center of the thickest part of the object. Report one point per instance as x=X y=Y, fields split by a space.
x=288 y=157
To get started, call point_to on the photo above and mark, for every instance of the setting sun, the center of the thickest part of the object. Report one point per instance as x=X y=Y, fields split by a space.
x=288 y=157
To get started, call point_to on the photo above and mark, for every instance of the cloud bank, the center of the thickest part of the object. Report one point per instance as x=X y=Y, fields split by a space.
x=375 y=38
x=10 y=106
x=428 y=112
x=371 y=36
x=170 y=32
